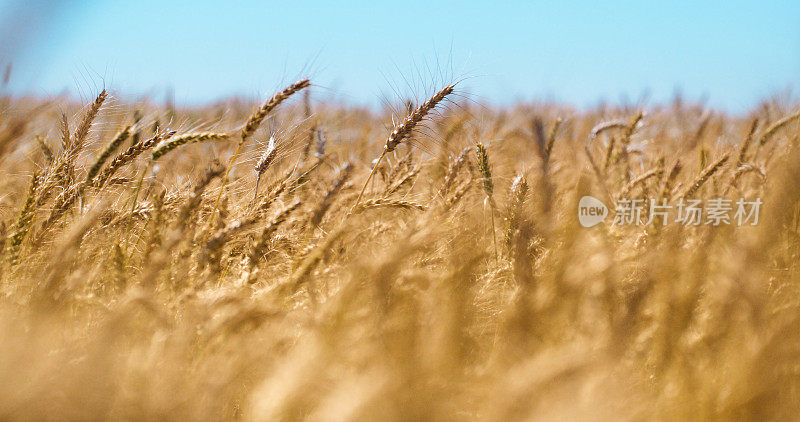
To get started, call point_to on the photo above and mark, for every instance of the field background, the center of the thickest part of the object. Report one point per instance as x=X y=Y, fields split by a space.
x=460 y=287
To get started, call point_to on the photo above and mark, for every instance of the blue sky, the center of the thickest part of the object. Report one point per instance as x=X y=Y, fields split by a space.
x=732 y=52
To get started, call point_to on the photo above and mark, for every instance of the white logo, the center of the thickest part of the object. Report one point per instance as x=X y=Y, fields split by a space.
x=591 y=211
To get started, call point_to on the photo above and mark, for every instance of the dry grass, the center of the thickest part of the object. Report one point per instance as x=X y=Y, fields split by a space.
x=167 y=286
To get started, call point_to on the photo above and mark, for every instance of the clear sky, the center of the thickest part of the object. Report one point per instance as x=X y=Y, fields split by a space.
x=732 y=52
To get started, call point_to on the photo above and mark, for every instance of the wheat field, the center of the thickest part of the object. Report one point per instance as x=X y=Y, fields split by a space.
x=306 y=260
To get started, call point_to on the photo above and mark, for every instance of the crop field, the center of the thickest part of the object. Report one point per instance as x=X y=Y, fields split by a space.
x=299 y=259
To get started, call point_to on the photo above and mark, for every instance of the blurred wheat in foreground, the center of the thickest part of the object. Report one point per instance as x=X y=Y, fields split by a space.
x=297 y=260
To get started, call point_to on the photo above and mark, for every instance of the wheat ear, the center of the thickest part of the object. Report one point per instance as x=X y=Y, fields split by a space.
x=656 y=172
x=163 y=148
x=551 y=140
x=705 y=175
x=170 y=144
x=741 y=171
x=322 y=208
x=24 y=222
x=390 y=203
x=309 y=262
x=604 y=126
x=48 y=153
x=401 y=132
x=406 y=179
x=452 y=171
x=255 y=120
x=666 y=186
x=488 y=185
x=252 y=125
x=65 y=135
x=112 y=146
x=127 y=156
x=263 y=163
x=77 y=141
x=258 y=247
x=517 y=194
x=777 y=126
x=742 y=155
